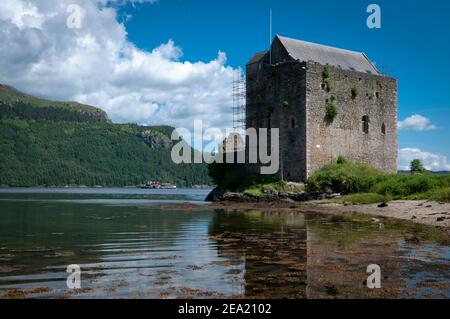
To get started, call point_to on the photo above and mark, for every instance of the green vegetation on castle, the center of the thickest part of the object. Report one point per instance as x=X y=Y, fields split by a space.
x=331 y=110
x=355 y=92
x=325 y=79
x=326 y=73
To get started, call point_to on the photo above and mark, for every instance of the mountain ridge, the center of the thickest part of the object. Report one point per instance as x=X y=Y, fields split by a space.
x=16 y=104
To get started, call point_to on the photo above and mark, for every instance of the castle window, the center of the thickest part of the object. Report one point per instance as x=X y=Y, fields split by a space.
x=365 y=124
x=383 y=128
x=323 y=86
x=377 y=94
x=292 y=122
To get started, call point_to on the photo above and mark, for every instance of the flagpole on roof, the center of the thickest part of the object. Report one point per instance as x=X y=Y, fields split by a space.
x=270 y=35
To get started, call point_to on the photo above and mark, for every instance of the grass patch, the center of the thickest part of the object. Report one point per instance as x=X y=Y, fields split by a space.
x=438 y=195
x=253 y=191
x=260 y=189
x=344 y=177
x=275 y=186
x=355 y=199
x=363 y=199
x=443 y=195
x=370 y=185
x=403 y=186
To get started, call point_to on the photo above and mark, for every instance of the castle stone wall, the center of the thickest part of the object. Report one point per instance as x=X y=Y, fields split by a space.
x=288 y=98
x=376 y=99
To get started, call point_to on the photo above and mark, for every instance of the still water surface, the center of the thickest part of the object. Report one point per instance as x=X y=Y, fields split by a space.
x=130 y=243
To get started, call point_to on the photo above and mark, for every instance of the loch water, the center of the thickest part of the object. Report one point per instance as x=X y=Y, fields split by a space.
x=135 y=243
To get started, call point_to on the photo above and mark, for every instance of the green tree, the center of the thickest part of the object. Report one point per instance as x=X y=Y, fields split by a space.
x=417 y=167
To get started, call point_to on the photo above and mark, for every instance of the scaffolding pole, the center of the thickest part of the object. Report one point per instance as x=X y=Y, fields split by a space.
x=239 y=102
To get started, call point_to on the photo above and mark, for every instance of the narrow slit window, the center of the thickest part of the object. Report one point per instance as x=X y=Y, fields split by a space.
x=292 y=122
x=383 y=129
x=365 y=124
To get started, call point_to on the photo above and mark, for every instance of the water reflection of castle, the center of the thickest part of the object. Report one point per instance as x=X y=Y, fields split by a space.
x=298 y=256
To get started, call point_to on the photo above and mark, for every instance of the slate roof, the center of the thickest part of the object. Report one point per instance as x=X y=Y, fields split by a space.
x=257 y=57
x=322 y=54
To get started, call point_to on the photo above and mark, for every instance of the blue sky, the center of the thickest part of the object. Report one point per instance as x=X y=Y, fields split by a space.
x=158 y=61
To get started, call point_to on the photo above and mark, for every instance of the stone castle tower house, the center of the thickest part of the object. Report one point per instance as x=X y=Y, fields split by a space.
x=327 y=102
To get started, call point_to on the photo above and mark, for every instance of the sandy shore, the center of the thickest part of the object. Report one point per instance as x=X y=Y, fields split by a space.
x=421 y=212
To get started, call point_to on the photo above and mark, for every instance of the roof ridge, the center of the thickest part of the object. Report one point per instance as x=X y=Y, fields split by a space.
x=325 y=54
x=320 y=45
x=370 y=61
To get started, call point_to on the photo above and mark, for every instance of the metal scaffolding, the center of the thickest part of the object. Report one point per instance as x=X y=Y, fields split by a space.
x=239 y=102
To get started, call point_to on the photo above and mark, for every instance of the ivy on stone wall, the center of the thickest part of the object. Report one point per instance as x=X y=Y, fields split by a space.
x=331 y=109
x=326 y=73
x=355 y=92
x=325 y=76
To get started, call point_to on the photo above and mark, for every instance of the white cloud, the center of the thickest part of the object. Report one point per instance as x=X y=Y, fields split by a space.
x=97 y=65
x=432 y=162
x=417 y=123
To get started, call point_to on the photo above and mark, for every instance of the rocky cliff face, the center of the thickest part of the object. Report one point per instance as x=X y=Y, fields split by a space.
x=155 y=139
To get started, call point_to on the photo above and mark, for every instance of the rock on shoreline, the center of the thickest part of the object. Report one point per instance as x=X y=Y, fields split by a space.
x=220 y=195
